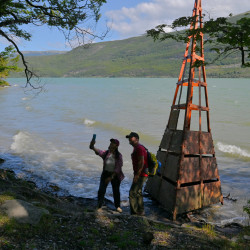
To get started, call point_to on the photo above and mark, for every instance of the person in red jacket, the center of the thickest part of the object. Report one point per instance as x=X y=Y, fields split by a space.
x=140 y=166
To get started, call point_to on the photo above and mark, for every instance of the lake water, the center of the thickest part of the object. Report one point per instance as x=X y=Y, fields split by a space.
x=46 y=137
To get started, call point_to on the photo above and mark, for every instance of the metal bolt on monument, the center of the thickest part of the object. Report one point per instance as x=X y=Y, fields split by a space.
x=189 y=177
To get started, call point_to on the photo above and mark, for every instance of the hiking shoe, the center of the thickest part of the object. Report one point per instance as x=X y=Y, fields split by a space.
x=119 y=210
x=99 y=210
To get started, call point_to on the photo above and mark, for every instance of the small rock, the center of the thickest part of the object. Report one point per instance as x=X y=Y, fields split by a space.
x=2 y=160
x=147 y=238
x=246 y=237
x=23 y=211
x=116 y=220
x=234 y=239
x=54 y=187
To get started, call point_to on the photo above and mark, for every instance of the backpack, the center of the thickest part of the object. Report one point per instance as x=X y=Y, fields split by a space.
x=152 y=163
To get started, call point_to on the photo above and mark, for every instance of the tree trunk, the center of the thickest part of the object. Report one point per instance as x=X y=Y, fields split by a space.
x=242 y=56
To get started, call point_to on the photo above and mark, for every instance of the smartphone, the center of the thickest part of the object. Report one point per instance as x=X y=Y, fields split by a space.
x=94 y=137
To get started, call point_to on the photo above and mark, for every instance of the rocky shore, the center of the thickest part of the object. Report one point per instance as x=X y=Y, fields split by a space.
x=35 y=219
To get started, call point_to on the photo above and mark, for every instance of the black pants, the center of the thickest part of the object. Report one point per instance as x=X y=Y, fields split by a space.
x=115 y=182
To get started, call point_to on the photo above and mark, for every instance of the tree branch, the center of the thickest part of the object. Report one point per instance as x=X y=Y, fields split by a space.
x=39 y=6
x=29 y=74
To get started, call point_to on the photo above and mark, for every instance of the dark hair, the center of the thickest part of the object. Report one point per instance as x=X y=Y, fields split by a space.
x=117 y=154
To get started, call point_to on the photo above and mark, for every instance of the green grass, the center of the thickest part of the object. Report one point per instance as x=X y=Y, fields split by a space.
x=3 y=83
x=94 y=231
x=122 y=240
x=6 y=196
x=159 y=226
x=209 y=230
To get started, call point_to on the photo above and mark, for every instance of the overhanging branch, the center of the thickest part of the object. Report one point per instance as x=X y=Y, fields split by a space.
x=29 y=74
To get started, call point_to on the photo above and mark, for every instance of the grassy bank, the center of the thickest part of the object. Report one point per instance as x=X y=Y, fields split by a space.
x=3 y=83
x=73 y=223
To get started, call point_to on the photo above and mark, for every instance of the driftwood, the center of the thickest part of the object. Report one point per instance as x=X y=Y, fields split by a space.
x=229 y=198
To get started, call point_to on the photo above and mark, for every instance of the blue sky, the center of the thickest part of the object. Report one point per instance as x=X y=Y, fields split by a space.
x=129 y=18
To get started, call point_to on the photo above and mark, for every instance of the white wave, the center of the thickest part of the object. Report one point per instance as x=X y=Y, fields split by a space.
x=28 y=108
x=88 y=122
x=22 y=141
x=239 y=220
x=25 y=98
x=232 y=149
x=61 y=164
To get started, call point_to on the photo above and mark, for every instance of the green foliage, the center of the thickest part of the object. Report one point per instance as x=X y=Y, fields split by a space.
x=247 y=208
x=6 y=196
x=66 y=15
x=5 y=244
x=160 y=226
x=229 y=37
x=83 y=243
x=209 y=229
x=122 y=240
x=95 y=231
x=8 y=63
x=114 y=238
x=226 y=35
x=133 y=57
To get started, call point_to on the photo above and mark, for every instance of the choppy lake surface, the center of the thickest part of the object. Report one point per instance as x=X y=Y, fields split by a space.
x=46 y=137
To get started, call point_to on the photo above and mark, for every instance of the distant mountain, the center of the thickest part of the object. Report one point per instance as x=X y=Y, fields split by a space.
x=133 y=57
x=43 y=53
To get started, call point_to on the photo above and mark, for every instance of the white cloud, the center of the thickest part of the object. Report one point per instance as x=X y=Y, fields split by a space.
x=223 y=8
x=146 y=15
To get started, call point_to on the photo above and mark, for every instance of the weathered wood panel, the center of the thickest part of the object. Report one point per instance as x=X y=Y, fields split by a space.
x=173 y=119
x=191 y=142
x=207 y=146
x=162 y=158
x=209 y=169
x=188 y=199
x=172 y=140
x=171 y=169
x=211 y=193
x=167 y=195
x=192 y=139
x=153 y=186
x=189 y=170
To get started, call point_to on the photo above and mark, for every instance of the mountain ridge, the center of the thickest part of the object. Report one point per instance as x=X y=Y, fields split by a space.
x=132 y=57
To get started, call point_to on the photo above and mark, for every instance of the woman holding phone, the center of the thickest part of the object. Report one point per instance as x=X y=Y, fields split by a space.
x=112 y=171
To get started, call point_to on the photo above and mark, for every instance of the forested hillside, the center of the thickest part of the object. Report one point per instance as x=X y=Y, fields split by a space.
x=133 y=57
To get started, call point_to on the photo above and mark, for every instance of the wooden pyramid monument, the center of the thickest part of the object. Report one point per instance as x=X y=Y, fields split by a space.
x=188 y=178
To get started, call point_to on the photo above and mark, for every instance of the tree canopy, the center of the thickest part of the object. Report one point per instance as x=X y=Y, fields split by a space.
x=75 y=18
x=225 y=36
x=8 y=62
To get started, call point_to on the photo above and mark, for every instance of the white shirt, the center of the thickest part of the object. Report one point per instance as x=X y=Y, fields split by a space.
x=110 y=163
